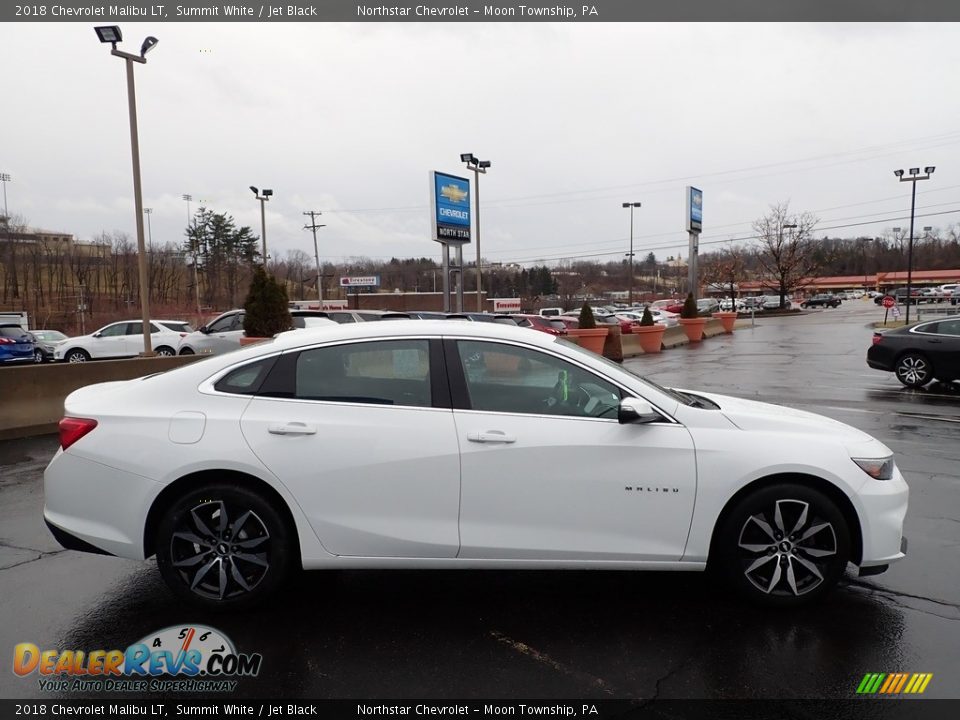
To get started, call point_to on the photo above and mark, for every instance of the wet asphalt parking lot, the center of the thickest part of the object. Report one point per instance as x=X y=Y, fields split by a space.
x=440 y=634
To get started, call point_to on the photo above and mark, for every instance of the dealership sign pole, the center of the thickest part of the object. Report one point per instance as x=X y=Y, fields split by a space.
x=694 y=221
x=450 y=225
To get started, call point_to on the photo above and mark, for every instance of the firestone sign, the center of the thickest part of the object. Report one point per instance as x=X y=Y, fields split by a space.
x=506 y=305
x=360 y=281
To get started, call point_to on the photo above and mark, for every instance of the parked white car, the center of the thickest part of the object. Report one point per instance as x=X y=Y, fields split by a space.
x=432 y=444
x=123 y=339
x=224 y=332
x=659 y=316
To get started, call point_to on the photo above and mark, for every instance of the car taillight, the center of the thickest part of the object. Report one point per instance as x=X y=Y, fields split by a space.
x=877 y=337
x=72 y=429
x=7 y=341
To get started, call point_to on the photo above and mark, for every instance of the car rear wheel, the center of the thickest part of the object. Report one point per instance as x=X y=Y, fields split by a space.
x=77 y=356
x=914 y=370
x=223 y=546
x=783 y=545
x=164 y=351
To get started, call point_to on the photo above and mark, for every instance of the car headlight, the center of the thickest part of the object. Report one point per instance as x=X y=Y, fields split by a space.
x=877 y=468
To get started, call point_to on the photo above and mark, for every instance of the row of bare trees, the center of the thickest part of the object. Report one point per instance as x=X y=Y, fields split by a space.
x=62 y=283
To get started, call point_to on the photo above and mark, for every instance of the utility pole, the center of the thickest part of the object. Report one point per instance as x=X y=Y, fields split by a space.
x=316 y=255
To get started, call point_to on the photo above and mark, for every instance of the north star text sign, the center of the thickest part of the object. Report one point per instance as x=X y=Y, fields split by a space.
x=449 y=208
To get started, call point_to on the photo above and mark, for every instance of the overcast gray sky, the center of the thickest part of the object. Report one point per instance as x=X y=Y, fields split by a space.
x=576 y=119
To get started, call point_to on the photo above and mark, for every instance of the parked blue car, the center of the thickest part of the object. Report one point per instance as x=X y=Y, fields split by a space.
x=16 y=345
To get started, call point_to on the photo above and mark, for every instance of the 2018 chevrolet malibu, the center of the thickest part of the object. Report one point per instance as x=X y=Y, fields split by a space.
x=433 y=444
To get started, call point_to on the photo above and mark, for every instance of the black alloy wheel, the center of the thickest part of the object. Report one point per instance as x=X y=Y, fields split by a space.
x=784 y=545
x=913 y=370
x=223 y=546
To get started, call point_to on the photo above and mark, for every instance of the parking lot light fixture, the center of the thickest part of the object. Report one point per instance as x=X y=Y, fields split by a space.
x=263 y=197
x=478 y=166
x=111 y=34
x=915 y=176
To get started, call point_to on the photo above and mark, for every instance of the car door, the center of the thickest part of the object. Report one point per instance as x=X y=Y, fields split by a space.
x=109 y=341
x=133 y=337
x=363 y=436
x=942 y=340
x=224 y=334
x=547 y=471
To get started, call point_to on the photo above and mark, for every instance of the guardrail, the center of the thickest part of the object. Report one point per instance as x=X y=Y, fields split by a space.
x=31 y=396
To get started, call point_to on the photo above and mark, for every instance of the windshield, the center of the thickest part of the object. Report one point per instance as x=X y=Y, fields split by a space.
x=49 y=335
x=681 y=398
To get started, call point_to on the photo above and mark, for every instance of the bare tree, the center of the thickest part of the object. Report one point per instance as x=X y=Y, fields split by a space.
x=725 y=268
x=786 y=255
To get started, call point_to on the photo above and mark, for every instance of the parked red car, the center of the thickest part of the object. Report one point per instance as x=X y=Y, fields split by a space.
x=549 y=325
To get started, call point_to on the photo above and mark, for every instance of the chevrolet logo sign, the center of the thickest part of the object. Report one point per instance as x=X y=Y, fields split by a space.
x=453 y=193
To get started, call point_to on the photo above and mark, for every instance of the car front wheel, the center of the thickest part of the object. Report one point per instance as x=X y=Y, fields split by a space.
x=913 y=370
x=38 y=355
x=783 y=545
x=77 y=356
x=223 y=546
x=186 y=351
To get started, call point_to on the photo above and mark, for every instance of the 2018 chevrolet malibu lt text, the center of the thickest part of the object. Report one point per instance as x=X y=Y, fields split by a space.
x=432 y=444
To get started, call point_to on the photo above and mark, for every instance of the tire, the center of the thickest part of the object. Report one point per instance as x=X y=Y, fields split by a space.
x=165 y=351
x=38 y=356
x=76 y=356
x=804 y=306
x=780 y=562
x=186 y=351
x=198 y=563
x=913 y=370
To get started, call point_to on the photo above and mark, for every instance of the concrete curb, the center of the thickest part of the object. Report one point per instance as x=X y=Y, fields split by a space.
x=672 y=337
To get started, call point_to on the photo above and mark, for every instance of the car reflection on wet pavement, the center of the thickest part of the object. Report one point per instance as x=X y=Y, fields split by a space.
x=595 y=634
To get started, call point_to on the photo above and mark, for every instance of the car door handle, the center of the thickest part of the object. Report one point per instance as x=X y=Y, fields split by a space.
x=935 y=342
x=491 y=436
x=293 y=428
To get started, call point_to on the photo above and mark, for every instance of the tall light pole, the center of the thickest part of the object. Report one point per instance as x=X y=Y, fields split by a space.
x=478 y=166
x=196 y=263
x=316 y=255
x=148 y=212
x=5 y=178
x=914 y=176
x=863 y=248
x=630 y=205
x=263 y=219
x=111 y=34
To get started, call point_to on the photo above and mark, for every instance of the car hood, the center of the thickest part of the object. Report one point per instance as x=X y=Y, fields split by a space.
x=755 y=416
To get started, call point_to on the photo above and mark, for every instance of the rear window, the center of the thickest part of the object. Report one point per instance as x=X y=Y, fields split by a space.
x=245 y=380
x=11 y=331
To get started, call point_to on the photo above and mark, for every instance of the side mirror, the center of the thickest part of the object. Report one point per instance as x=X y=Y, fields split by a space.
x=634 y=410
x=204 y=329
x=96 y=334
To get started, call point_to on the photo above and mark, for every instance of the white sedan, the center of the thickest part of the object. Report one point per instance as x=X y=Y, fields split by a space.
x=659 y=316
x=123 y=339
x=432 y=444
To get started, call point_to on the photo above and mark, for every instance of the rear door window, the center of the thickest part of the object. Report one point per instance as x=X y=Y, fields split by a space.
x=388 y=372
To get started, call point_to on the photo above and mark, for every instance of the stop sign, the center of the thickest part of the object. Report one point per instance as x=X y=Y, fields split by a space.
x=889 y=302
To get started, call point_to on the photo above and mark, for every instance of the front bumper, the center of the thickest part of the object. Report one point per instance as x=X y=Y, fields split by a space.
x=883 y=507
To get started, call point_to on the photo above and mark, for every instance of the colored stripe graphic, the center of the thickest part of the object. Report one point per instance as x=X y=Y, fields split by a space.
x=894 y=683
